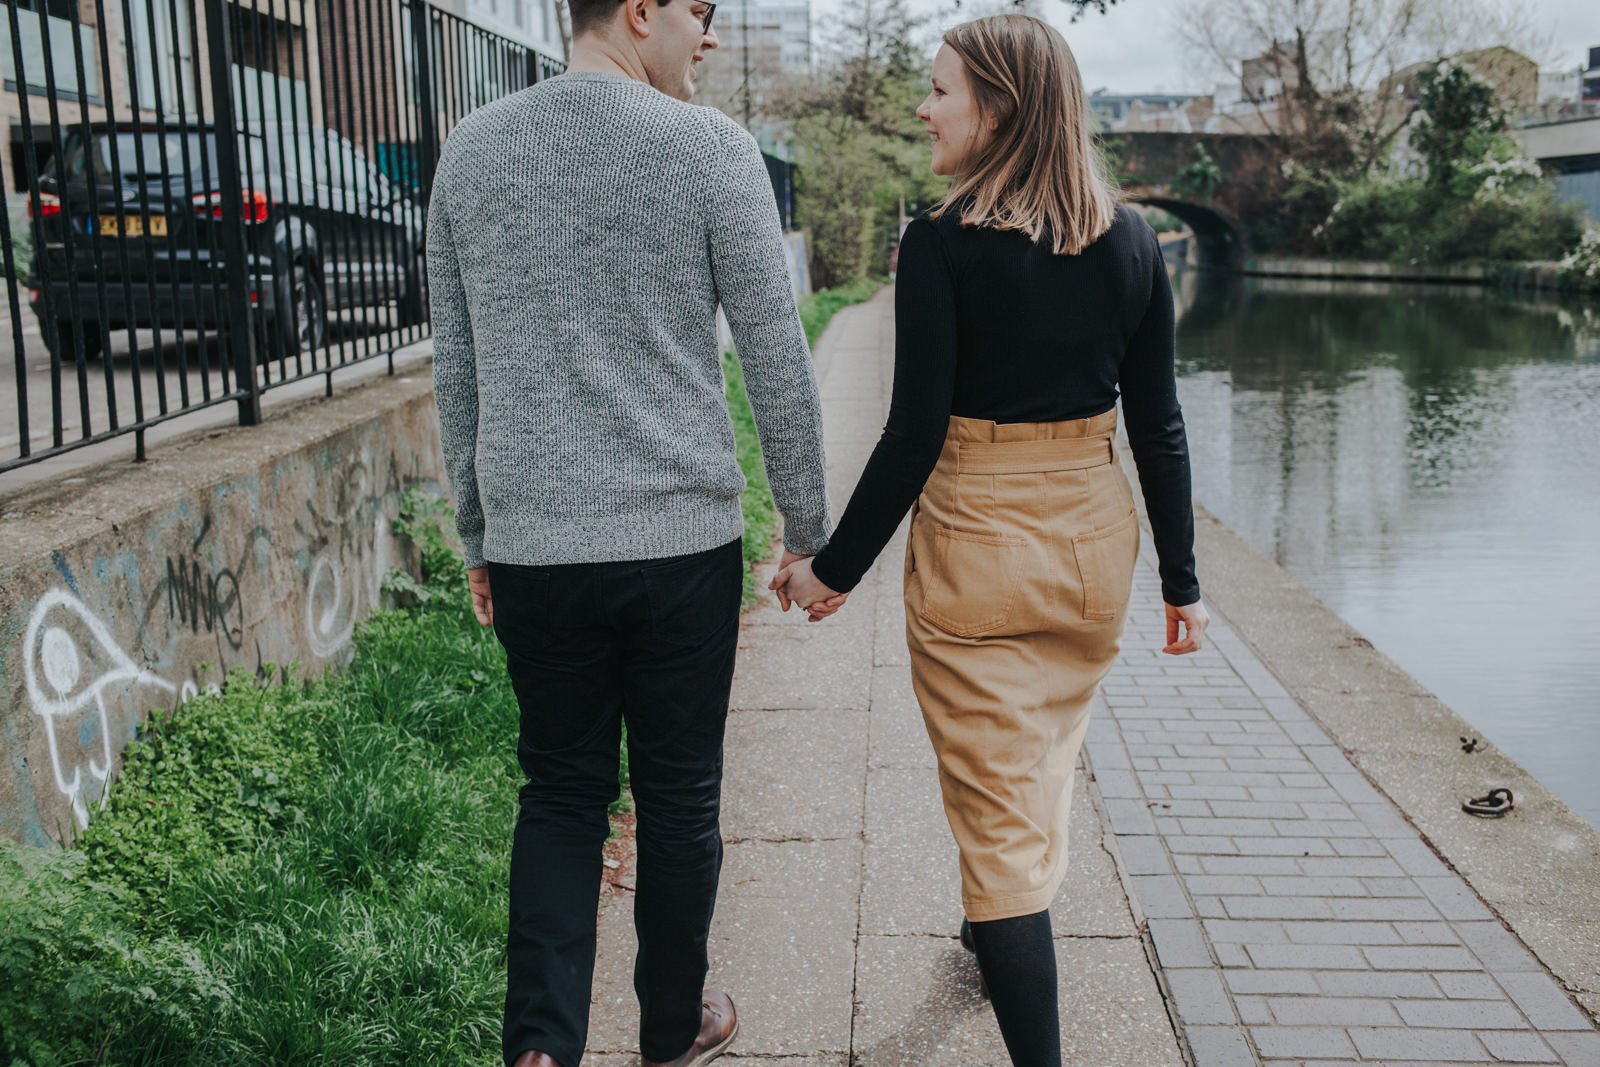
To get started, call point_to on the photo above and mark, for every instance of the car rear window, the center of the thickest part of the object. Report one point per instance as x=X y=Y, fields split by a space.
x=120 y=153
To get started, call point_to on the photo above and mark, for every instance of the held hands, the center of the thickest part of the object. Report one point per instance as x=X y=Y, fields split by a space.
x=1194 y=619
x=795 y=584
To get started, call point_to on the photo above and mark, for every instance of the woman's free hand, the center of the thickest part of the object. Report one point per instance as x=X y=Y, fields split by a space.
x=1194 y=619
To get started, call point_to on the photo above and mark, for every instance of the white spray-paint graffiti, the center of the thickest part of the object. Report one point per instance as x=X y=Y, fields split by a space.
x=350 y=554
x=71 y=665
x=89 y=691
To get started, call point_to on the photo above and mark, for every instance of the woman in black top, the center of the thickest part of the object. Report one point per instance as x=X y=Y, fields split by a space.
x=1024 y=303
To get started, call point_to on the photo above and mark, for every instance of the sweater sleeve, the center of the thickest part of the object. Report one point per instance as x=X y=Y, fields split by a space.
x=455 y=375
x=752 y=280
x=919 y=411
x=1148 y=379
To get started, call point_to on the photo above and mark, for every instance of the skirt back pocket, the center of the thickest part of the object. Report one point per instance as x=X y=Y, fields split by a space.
x=970 y=588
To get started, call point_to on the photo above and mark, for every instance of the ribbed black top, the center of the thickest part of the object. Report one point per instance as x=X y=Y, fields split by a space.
x=990 y=325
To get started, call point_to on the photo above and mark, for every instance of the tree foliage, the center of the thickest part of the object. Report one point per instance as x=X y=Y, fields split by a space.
x=1479 y=198
x=1457 y=120
x=859 y=144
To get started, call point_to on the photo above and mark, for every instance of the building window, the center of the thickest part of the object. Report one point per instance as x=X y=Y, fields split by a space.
x=51 y=35
x=161 y=57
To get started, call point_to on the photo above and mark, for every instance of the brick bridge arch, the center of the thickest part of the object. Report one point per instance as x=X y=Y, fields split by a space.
x=1150 y=165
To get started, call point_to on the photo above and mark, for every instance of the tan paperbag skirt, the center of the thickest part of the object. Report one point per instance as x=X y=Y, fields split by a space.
x=1018 y=573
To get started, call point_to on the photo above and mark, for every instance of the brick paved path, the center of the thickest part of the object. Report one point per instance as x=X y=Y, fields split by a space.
x=1296 y=918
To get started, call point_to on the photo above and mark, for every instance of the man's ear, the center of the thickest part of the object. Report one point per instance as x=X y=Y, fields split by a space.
x=636 y=13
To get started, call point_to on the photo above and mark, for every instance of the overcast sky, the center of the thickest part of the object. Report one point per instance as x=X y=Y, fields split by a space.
x=1134 y=47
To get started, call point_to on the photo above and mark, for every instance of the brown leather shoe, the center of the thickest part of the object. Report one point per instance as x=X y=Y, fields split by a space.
x=718 y=1027
x=536 y=1059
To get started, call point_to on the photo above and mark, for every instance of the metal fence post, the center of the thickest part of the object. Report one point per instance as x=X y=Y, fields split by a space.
x=428 y=134
x=241 y=331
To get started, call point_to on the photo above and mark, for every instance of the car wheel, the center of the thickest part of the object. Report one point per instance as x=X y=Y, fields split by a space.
x=303 y=325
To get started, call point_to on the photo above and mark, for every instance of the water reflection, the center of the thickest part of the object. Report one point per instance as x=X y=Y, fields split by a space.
x=1424 y=460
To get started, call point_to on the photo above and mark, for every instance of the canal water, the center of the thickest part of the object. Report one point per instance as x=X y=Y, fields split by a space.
x=1426 y=461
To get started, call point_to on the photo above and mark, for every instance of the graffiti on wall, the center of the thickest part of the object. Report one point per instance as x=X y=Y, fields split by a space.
x=71 y=667
x=196 y=595
x=346 y=548
x=89 y=690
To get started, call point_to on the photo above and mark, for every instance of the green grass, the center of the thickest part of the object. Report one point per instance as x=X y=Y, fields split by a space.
x=308 y=873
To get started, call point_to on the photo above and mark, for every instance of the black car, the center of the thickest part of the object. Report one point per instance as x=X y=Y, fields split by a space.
x=324 y=231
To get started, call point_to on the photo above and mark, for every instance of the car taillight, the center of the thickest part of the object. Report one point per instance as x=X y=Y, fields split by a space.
x=49 y=206
x=253 y=203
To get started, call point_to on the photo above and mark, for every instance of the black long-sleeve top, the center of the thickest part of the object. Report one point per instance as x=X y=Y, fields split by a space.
x=990 y=325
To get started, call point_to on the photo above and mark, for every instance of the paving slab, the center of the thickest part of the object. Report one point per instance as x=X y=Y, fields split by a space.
x=918 y=1003
x=782 y=943
x=816 y=792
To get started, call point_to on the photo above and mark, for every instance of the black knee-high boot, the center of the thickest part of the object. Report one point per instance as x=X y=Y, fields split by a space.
x=1017 y=958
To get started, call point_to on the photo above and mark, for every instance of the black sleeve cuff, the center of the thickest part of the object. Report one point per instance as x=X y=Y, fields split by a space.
x=1181 y=596
x=822 y=566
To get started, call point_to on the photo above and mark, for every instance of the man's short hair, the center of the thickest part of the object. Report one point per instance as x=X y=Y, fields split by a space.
x=590 y=14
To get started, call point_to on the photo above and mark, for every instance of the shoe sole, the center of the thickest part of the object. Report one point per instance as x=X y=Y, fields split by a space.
x=712 y=1053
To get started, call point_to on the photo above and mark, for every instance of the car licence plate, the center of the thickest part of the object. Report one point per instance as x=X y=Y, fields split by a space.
x=132 y=226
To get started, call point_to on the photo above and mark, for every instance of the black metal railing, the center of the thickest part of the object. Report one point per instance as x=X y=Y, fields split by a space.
x=781 y=171
x=218 y=199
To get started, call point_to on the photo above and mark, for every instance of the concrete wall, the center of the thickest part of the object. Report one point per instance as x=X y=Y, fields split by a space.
x=235 y=548
x=1580 y=137
x=1359 y=269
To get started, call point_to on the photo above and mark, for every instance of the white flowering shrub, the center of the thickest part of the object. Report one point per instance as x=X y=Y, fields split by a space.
x=1582 y=264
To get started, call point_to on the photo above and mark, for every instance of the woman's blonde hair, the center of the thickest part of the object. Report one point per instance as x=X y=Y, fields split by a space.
x=1040 y=171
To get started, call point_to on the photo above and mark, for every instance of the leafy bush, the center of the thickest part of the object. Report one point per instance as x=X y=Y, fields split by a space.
x=1477 y=198
x=21 y=245
x=1201 y=177
x=1411 y=221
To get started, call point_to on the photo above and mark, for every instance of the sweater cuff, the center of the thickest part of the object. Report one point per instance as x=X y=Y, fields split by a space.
x=808 y=539
x=472 y=551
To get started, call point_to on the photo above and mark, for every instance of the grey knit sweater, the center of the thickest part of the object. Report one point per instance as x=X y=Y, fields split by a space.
x=580 y=236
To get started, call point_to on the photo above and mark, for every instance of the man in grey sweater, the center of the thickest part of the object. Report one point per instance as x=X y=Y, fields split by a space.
x=581 y=235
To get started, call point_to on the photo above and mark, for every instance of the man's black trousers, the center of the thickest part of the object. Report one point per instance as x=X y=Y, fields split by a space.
x=591 y=647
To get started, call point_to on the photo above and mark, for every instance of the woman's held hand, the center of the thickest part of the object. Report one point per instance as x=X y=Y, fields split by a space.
x=1193 y=619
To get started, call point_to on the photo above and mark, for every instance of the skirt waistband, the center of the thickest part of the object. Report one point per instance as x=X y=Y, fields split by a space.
x=980 y=446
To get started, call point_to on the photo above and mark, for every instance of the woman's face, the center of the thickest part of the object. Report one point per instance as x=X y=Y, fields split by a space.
x=951 y=113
